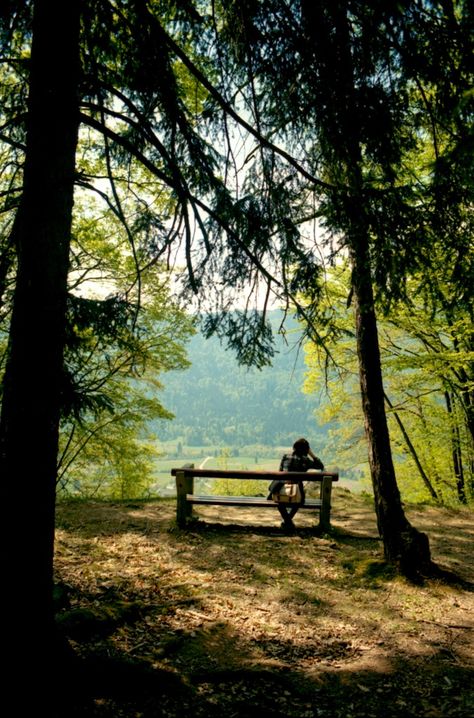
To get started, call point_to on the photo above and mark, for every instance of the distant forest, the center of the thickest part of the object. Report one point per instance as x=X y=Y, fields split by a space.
x=218 y=403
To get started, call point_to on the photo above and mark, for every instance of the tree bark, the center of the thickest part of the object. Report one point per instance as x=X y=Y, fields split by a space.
x=403 y=544
x=29 y=421
x=456 y=451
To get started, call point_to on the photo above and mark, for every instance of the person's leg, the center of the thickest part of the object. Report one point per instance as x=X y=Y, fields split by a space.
x=287 y=516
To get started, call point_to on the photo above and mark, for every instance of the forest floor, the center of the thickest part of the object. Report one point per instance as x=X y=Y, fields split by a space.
x=232 y=618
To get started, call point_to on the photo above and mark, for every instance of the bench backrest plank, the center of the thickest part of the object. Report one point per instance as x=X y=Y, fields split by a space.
x=252 y=475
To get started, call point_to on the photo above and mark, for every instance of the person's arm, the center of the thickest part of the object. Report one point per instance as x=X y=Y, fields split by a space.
x=318 y=464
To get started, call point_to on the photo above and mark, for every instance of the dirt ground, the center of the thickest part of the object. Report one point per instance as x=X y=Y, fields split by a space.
x=233 y=618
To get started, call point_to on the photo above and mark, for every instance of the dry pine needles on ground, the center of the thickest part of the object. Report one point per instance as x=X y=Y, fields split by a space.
x=232 y=618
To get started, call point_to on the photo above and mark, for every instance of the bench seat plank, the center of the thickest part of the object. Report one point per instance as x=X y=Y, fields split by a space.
x=246 y=501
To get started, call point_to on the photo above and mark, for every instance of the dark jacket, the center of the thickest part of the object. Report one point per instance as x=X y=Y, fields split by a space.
x=294 y=462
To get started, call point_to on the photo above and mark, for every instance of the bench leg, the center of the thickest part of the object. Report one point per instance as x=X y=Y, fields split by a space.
x=325 y=513
x=184 y=485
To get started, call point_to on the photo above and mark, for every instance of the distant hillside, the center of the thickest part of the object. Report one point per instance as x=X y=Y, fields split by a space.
x=216 y=402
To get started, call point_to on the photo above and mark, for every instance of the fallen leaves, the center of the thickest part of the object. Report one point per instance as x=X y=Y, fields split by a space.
x=317 y=622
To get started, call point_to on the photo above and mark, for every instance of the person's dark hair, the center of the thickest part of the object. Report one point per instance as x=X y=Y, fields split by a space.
x=301 y=447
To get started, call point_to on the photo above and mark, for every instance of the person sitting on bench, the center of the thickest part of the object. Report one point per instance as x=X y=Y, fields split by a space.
x=302 y=458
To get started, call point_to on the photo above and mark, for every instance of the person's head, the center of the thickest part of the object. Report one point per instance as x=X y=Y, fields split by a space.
x=301 y=447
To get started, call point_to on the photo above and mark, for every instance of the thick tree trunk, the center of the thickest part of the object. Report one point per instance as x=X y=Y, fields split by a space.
x=403 y=544
x=32 y=383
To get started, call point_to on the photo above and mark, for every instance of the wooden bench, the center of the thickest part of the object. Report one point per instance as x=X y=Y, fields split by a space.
x=186 y=498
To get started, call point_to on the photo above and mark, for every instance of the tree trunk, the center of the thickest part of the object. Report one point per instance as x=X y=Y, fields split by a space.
x=456 y=451
x=30 y=414
x=467 y=401
x=403 y=544
x=326 y=27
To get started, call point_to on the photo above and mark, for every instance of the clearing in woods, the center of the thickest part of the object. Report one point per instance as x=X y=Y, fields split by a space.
x=234 y=619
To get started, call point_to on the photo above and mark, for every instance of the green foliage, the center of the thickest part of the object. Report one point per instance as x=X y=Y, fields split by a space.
x=115 y=358
x=234 y=487
x=216 y=402
x=422 y=355
x=238 y=487
x=113 y=461
x=249 y=334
